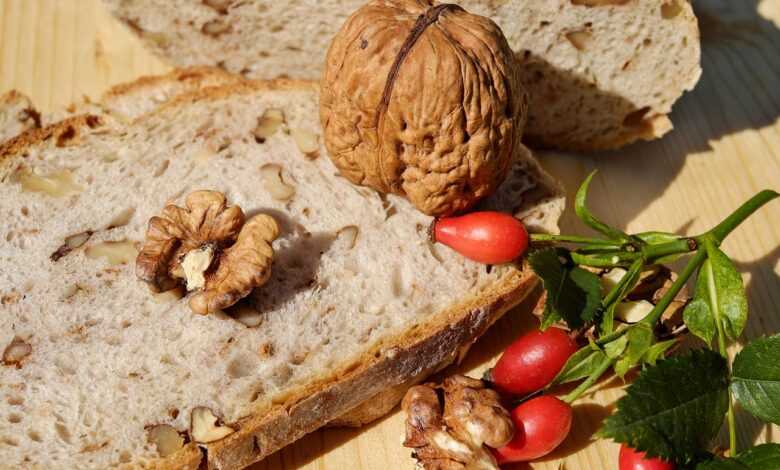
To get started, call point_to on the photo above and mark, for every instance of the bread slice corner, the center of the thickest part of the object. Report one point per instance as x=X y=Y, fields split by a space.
x=337 y=344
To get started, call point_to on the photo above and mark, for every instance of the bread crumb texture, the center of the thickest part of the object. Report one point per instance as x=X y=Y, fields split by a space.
x=98 y=363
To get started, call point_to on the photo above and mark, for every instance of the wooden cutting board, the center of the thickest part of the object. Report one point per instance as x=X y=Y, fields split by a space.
x=726 y=146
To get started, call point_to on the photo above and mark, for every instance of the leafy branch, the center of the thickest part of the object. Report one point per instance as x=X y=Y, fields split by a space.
x=677 y=406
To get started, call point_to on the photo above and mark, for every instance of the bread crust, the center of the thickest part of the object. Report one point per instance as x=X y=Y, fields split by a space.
x=200 y=76
x=311 y=407
x=390 y=365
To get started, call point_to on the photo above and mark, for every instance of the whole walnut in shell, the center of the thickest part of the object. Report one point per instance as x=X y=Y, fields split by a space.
x=423 y=100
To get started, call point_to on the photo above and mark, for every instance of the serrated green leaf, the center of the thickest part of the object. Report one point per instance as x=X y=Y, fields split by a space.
x=572 y=293
x=719 y=274
x=723 y=464
x=549 y=318
x=756 y=378
x=698 y=318
x=657 y=351
x=580 y=365
x=640 y=339
x=591 y=285
x=674 y=409
x=760 y=457
x=589 y=219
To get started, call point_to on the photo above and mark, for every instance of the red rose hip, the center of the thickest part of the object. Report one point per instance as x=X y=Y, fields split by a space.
x=631 y=459
x=486 y=237
x=541 y=424
x=533 y=360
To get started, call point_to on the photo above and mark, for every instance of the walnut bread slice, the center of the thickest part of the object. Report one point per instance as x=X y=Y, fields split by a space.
x=601 y=73
x=125 y=101
x=105 y=373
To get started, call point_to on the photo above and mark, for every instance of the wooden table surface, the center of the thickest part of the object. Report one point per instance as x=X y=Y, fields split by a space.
x=725 y=147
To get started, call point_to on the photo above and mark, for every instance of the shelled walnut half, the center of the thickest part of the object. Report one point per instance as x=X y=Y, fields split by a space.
x=208 y=248
x=449 y=425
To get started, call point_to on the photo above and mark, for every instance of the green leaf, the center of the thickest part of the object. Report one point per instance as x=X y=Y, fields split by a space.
x=549 y=318
x=640 y=339
x=573 y=293
x=719 y=272
x=719 y=297
x=698 y=318
x=614 y=349
x=580 y=365
x=723 y=464
x=657 y=351
x=675 y=408
x=760 y=457
x=589 y=219
x=756 y=378
x=607 y=323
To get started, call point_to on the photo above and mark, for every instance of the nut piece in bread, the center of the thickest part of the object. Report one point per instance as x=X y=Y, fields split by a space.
x=166 y=438
x=207 y=247
x=448 y=426
x=443 y=135
x=16 y=351
x=205 y=427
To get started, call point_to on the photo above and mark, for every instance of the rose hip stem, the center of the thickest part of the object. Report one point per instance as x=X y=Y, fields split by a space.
x=712 y=238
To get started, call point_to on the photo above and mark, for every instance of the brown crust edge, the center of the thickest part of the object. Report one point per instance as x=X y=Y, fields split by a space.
x=198 y=77
x=311 y=407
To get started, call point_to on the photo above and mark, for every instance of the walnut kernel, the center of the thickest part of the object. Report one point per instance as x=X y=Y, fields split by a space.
x=267 y=125
x=449 y=425
x=115 y=252
x=308 y=142
x=274 y=184
x=205 y=427
x=166 y=438
x=207 y=247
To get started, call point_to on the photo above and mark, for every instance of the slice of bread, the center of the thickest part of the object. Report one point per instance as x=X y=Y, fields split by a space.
x=125 y=101
x=601 y=73
x=337 y=323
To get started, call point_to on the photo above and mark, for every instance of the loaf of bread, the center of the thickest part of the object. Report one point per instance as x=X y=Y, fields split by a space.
x=98 y=372
x=600 y=73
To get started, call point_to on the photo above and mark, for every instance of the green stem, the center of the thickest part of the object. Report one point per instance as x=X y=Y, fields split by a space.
x=612 y=336
x=709 y=245
x=744 y=211
x=581 y=388
x=604 y=260
x=655 y=314
x=625 y=285
x=681 y=246
x=544 y=237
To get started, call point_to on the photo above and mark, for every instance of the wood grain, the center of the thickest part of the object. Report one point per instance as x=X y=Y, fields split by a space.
x=726 y=146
